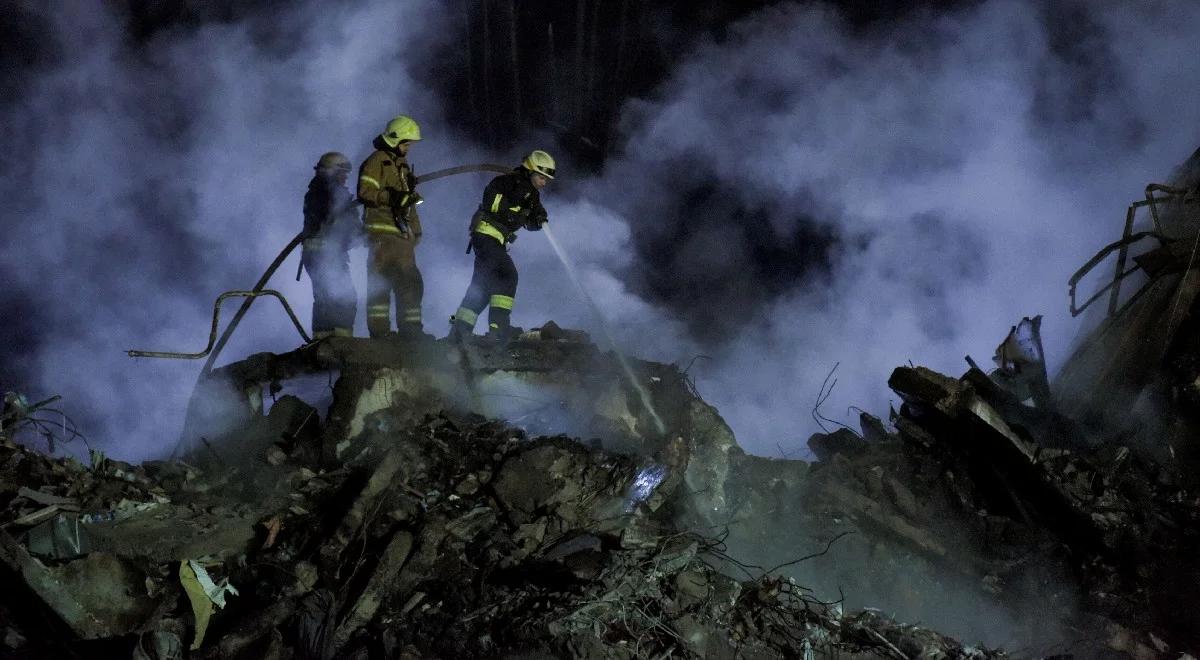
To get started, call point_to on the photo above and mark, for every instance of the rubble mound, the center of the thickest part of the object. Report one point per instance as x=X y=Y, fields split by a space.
x=348 y=500
x=453 y=537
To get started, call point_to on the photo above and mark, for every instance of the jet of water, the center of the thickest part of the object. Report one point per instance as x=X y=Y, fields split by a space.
x=637 y=385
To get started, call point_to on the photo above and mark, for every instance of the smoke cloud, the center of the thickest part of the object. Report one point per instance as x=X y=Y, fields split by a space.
x=141 y=180
x=798 y=194
x=801 y=194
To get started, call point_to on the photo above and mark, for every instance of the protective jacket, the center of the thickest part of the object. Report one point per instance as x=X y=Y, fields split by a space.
x=330 y=216
x=385 y=184
x=510 y=202
x=330 y=229
x=385 y=187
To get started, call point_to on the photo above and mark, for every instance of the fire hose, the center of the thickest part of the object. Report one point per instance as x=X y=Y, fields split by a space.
x=214 y=349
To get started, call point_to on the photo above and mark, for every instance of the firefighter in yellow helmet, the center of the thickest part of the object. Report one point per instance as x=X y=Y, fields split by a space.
x=510 y=202
x=331 y=228
x=387 y=189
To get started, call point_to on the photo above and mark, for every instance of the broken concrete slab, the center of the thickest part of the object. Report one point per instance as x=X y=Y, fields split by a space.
x=173 y=533
x=99 y=596
x=841 y=441
x=502 y=542
x=377 y=589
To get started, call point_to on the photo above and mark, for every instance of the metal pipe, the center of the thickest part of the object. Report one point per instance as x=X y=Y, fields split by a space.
x=1076 y=311
x=1152 y=201
x=1108 y=249
x=1121 y=256
x=212 y=335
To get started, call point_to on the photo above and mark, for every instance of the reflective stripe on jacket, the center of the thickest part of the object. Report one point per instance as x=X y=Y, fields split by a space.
x=383 y=172
x=509 y=202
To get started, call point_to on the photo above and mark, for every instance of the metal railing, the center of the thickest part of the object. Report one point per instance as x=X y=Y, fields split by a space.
x=1128 y=238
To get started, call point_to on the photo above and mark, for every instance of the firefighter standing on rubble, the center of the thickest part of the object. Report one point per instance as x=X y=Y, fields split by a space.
x=387 y=189
x=330 y=230
x=511 y=201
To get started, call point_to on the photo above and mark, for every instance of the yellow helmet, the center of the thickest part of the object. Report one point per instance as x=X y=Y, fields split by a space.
x=401 y=128
x=540 y=162
x=332 y=161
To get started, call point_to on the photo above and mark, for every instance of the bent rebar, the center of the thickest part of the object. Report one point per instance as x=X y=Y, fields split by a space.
x=212 y=335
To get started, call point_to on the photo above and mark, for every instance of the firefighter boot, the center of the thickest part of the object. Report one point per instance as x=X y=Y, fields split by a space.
x=503 y=334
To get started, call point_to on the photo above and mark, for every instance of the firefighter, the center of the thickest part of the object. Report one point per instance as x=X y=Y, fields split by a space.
x=511 y=201
x=387 y=189
x=330 y=229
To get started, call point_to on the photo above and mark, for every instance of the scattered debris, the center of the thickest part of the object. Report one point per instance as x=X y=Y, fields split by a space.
x=394 y=524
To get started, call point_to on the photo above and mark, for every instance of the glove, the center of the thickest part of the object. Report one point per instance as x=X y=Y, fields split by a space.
x=535 y=223
x=402 y=200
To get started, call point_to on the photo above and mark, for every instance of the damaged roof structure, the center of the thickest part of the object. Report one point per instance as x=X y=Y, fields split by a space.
x=361 y=498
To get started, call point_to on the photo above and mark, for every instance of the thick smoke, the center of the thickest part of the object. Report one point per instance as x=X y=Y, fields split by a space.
x=801 y=194
x=798 y=194
x=143 y=181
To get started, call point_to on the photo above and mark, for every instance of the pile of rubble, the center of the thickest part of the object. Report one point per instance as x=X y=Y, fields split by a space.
x=395 y=523
x=1124 y=528
x=1022 y=502
x=453 y=537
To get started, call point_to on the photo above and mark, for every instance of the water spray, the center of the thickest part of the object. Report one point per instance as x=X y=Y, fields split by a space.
x=637 y=385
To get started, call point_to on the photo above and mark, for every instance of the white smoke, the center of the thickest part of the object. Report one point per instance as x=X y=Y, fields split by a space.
x=163 y=174
x=955 y=158
x=965 y=165
x=963 y=183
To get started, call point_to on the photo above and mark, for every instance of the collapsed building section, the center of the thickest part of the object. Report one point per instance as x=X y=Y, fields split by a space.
x=1138 y=374
x=352 y=499
x=379 y=529
x=358 y=499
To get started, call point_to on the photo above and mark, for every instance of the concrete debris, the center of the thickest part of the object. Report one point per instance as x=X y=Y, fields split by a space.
x=60 y=538
x=1021 y=363
x=394 y=521
x=841 y=441
x=541 y=557
x=1109 y=520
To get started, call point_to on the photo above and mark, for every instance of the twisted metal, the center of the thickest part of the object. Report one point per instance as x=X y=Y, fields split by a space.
x=212 y=335
x=1122 y=247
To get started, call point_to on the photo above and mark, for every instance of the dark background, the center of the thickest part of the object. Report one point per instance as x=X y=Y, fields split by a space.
x=518 y=68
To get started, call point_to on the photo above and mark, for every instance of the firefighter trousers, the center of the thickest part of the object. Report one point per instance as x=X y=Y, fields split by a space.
x=392 y=269
x=335 y=301
x=493 y=284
